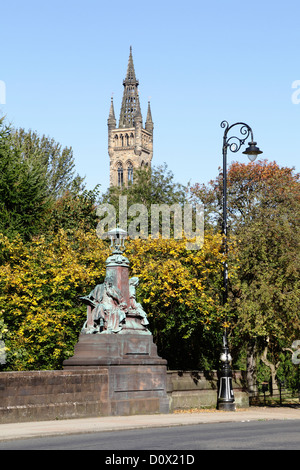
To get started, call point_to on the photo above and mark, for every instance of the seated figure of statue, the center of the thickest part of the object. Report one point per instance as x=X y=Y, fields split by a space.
x=135 y=308
x=106 y=309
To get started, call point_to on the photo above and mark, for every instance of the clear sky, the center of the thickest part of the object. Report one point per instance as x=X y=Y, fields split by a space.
x=199 y=62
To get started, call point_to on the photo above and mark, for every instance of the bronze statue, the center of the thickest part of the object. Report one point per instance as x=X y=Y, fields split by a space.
x=106 y=308
x=108 y=312
x=112 y=306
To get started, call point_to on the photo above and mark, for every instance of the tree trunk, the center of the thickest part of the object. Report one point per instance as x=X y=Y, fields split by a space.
x=251 y=369
x=273 y=367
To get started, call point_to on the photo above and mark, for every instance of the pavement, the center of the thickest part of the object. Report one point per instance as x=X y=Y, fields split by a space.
x=28 y=430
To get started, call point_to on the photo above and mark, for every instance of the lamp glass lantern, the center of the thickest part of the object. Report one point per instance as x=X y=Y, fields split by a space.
x=117 y=237
x=252 y=151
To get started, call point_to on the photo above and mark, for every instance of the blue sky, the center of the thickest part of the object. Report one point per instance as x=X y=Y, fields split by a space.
x=199 y=62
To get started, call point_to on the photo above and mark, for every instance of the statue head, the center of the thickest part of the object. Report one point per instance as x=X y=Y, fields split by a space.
x=109 y=280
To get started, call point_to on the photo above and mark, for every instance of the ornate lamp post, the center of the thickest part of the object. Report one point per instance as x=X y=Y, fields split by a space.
x=225 y=391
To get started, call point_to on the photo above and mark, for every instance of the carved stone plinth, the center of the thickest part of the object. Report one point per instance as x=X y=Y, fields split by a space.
x=136 y=374
x=103 y=350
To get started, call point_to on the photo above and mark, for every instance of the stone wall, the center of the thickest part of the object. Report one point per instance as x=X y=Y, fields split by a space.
x=198 y=389
x=49 y=395
x=66 y=394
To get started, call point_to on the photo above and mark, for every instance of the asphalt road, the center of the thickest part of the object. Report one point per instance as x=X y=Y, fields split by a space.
x=254 y=435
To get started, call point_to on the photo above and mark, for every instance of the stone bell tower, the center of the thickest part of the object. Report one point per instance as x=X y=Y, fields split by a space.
x=130 y=145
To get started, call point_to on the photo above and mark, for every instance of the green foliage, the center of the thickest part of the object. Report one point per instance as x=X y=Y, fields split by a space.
x=39 y=191
x=23 y=190
x=75 y=208
x=57 y=162
x=153 y=185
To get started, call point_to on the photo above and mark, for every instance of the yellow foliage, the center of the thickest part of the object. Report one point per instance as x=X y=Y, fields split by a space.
x=40 y=285
x=41 y=281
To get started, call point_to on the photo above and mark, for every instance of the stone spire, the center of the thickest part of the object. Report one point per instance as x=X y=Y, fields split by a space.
x=149 y=123
x=111 y=118
x=130 y=103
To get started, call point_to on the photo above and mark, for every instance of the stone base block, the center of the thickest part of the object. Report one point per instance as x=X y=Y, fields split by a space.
x=137 y=376
x=112 y=349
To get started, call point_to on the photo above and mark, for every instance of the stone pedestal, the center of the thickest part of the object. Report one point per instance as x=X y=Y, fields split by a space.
x=137 y=376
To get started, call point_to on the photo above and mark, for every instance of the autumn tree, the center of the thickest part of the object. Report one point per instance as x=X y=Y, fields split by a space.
x=180 y=290
x=263 y=213
x=40 y=285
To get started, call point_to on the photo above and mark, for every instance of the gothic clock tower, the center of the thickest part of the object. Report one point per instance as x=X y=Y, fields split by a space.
x=130 y=145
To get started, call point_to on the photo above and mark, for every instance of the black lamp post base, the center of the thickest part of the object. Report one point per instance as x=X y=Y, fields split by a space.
x=225 y=399
x=226 y=407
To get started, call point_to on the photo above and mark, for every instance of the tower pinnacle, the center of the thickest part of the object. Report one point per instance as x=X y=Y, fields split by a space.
x=130 y=103
x=149 y=123
x=111 y=118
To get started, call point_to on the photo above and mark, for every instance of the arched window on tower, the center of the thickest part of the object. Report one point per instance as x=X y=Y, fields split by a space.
x=130 y=173
x=120 y=175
